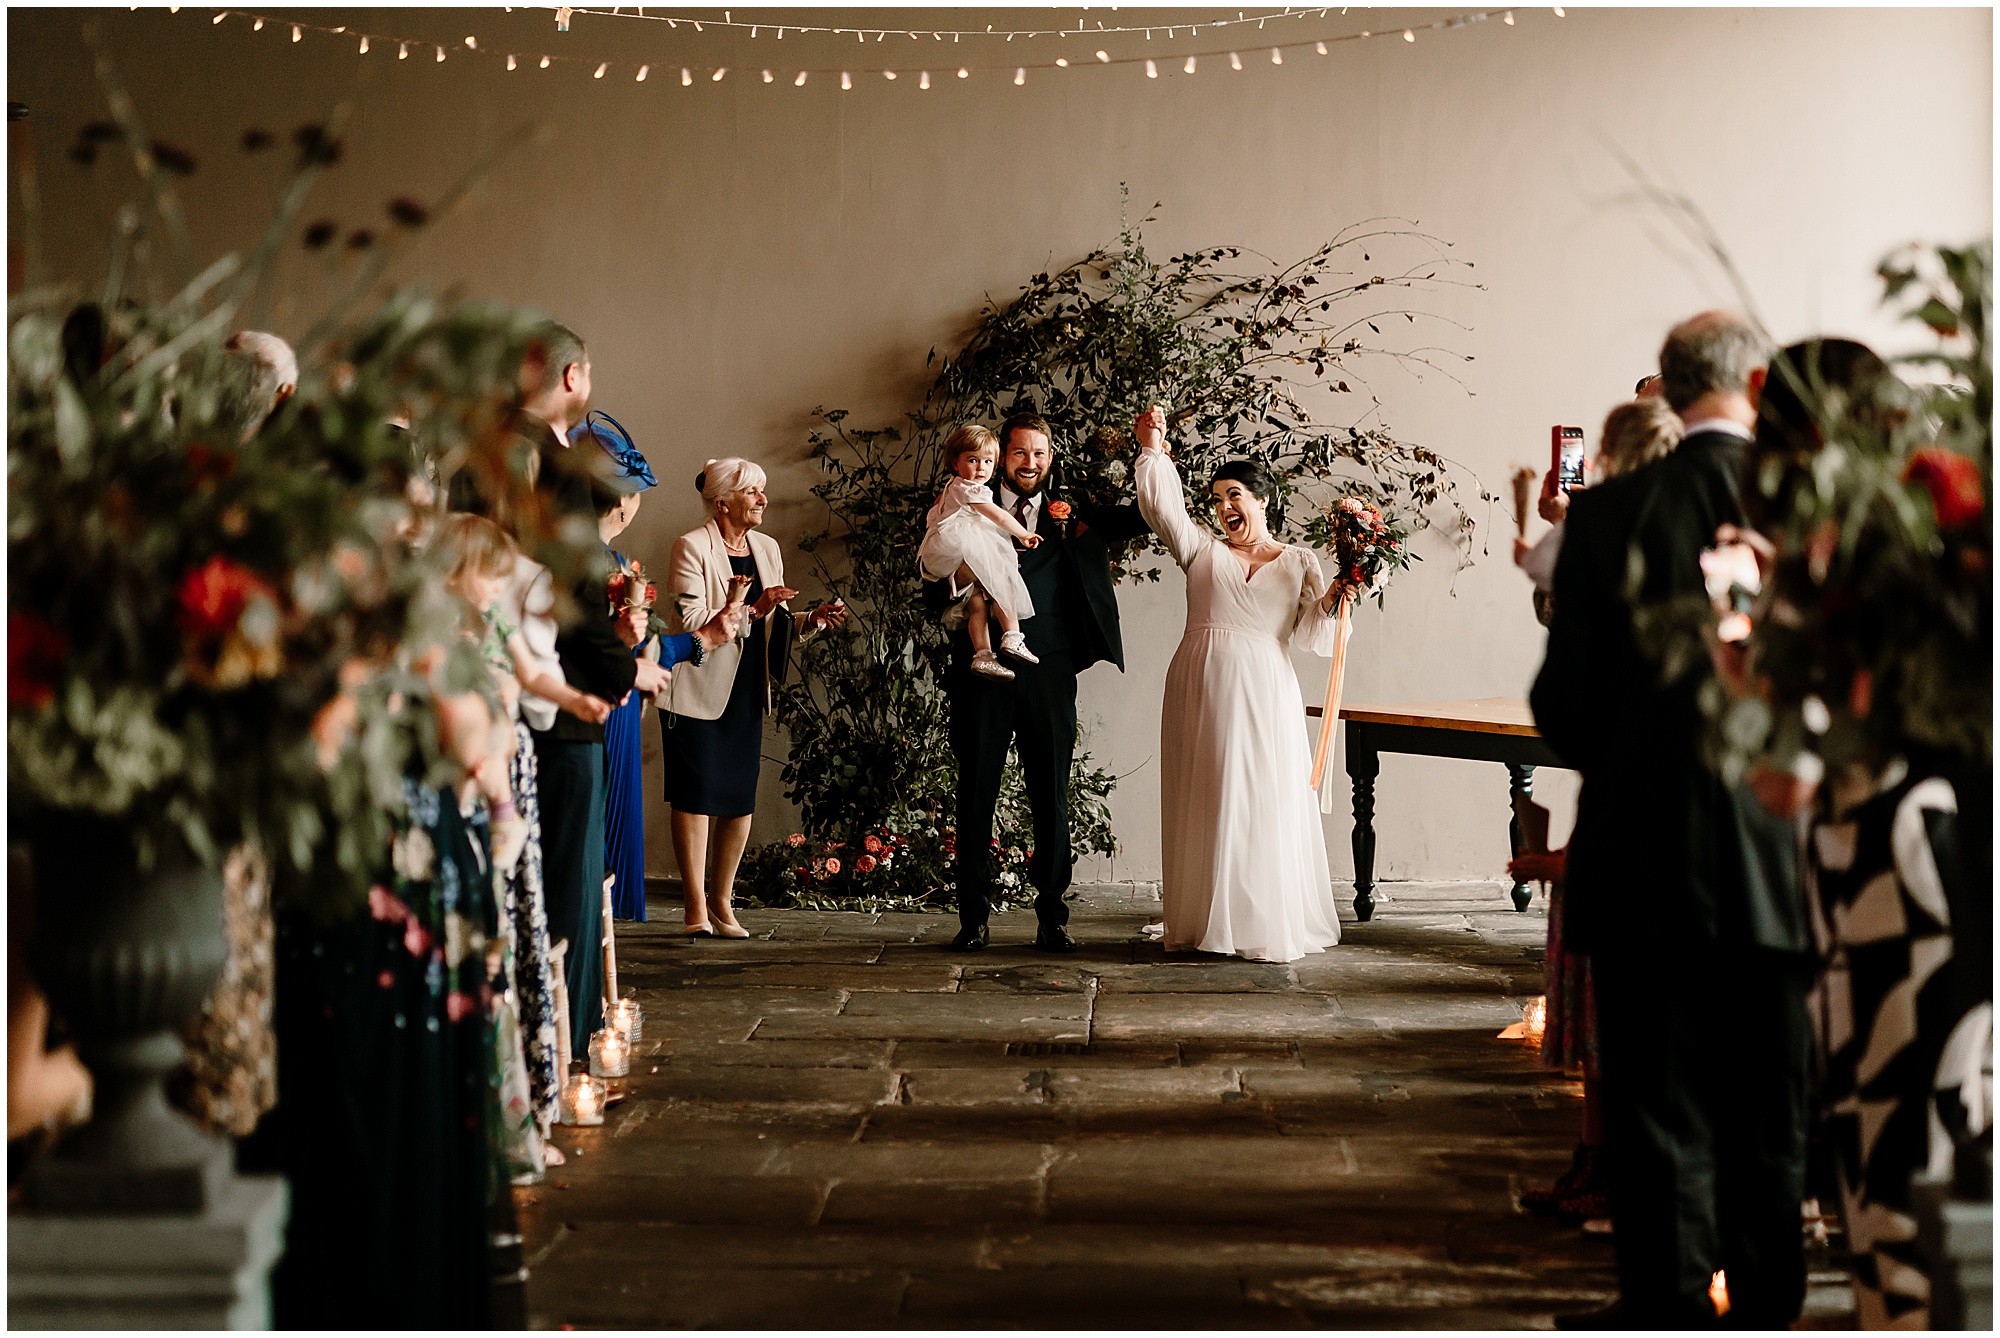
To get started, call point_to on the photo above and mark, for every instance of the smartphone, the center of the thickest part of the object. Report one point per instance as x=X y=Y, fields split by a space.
x=1566 y=456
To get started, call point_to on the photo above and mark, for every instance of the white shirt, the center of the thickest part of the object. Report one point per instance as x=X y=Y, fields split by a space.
x=1728 y=426
x=530 y=600
x=1008 y=497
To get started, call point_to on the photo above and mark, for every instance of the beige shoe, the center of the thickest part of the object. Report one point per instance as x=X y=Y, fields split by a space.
x=1015 y=646
x=987 y=665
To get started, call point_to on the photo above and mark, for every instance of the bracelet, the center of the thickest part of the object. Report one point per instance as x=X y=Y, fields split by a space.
x=700 y=653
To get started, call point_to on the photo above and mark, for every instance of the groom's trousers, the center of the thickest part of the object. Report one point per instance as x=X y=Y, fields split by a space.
x=1036 y=713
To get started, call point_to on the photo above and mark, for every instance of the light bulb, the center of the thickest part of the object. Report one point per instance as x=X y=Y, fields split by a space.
x=257 y=26
x=1409 y=36
x=1322 y=48
x=846 y=80
x=440 y=59
x=1103 y=57
x=544 y=65
x=296 y=34
x=924 y=79
x=1235 y=61
x=1276 y=58
x=1062 y=62
x=219 y=17
x=686 y=78
x=1559 y=12
x=1151 y=71
x=512 y=63
x=600 y=70
x=716 y=78
x=767 y=76
x=1020 y=76
x=800 y=82
x=890 y=75
x=963 y=72
x=402 y=51
x=641 y=77
x=364 y=44
x=1189 y=67
x=1508 y=18
x=472 y=42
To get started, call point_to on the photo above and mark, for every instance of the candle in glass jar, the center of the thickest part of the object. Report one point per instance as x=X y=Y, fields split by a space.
x=583 y=1100
x=587 y=1100
x=610 y=1054
x=626 y=1017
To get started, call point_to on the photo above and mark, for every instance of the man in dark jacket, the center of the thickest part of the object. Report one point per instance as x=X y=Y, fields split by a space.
x=1068 y=576
x=1679 y=888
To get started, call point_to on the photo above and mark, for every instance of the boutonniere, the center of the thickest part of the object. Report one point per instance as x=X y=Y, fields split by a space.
x=1058 y=511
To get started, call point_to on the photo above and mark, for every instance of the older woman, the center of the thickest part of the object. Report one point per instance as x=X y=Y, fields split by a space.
x=712 y=715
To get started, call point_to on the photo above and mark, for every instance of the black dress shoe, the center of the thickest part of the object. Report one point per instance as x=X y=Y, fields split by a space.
x=972 y=938
x=1054 y=938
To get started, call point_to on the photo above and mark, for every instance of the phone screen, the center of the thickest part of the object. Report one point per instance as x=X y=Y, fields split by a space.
x=1566 y=446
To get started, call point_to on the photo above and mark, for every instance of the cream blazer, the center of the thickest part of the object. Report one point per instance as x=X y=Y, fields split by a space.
x=697 y=587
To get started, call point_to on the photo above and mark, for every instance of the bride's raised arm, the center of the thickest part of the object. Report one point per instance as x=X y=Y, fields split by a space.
x=1315 y=627
x=1164 y=505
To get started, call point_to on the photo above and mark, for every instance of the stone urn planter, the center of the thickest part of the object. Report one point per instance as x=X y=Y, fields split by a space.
x=125 y=957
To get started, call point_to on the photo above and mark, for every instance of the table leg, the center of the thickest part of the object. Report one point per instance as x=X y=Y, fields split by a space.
x=1520 y=785
x=1363 y=765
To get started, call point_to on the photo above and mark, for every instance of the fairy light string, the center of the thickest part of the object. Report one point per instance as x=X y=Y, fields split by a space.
x=565 y=14
x=1014 y=71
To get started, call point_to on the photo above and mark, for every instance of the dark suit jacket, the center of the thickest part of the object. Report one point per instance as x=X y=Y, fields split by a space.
x=1082 y=544
x=593 y=659
x=1664 y=853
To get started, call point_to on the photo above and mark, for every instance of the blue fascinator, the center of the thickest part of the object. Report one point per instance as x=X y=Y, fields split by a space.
x=627 y=469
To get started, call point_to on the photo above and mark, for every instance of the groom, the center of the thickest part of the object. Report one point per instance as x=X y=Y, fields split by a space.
x=1068 y=576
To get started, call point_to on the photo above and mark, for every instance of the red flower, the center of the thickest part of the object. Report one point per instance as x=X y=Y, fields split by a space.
x=872 y=844
x=213 y=596
x=652 y=595
x=35 y=652
x=1952 y=480
x=1058 y=511
x=796 y=839
x=866 y=864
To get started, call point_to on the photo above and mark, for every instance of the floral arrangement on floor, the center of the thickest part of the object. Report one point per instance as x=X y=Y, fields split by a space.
x=1242 y=360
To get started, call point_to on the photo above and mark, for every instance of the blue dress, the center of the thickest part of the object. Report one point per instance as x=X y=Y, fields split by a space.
x=624 y=797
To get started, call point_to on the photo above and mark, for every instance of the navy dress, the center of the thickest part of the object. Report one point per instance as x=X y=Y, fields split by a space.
x=711 y=765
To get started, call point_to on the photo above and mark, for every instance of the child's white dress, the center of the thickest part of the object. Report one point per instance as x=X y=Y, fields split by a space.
x=955 y=534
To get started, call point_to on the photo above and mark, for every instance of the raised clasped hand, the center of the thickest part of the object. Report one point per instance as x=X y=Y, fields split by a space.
x=632 y=624
x=1151 y=429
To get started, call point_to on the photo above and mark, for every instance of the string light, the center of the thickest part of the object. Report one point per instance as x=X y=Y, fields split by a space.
x=599 y=68
x=846 y=81
x=800 y=82
x=890 y=75
x=954 y=34
x=1559 y=12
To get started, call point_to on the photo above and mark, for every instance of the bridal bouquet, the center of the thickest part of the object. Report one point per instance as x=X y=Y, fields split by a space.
x=1367 y=545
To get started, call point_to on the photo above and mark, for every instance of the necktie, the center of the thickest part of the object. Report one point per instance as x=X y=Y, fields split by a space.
x=1021 y=505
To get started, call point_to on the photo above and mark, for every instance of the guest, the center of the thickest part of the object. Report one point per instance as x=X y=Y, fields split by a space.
x=1634 y=434
x=1902 y=917
x=1698 y=961
x=712 y=718
x=263 y=374
x=624 y=781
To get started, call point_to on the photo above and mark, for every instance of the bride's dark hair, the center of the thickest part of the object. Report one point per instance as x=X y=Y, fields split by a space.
x=1258 y=478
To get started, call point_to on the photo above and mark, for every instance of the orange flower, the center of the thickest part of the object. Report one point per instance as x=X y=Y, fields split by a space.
x=1058 y=511
x=866 y=864
x=872 y=844
x=832 y=865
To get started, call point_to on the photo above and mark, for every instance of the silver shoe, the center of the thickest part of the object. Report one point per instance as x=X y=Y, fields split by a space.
x=987 y=665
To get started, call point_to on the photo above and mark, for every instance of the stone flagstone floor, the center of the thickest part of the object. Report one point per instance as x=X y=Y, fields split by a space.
x=839 y=1124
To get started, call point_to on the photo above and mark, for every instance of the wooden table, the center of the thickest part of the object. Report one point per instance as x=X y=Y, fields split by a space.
x=1485 y=729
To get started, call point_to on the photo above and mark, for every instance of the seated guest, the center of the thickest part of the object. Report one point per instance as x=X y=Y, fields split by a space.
x=1698 y=962
x=712 y=718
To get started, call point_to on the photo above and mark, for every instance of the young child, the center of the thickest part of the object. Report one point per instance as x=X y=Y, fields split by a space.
x=967 y=537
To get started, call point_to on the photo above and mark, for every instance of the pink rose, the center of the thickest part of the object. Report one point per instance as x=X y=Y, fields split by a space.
x=832 y=865
x=796 y=839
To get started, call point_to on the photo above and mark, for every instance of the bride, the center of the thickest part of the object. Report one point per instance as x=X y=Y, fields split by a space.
x=1245 y=858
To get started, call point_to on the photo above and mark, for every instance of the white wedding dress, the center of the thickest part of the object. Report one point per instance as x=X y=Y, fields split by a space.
x=1245 y=867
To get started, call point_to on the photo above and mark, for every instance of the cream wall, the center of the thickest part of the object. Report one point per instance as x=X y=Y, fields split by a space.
x=739 y=253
